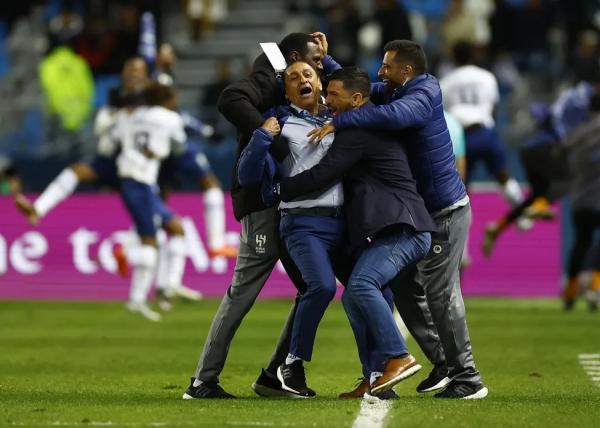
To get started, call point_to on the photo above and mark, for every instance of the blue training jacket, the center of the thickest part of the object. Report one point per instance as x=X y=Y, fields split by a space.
x=415 y=109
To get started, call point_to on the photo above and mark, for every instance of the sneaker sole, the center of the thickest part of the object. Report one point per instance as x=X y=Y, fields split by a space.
x=287 y=388
x=438 y=386
x=482 y=393
x=187 y=396
x=265 y=391
x=393 y=382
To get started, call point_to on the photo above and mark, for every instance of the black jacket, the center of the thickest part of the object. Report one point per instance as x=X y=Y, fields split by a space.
x=241 y=103
x=379 y=189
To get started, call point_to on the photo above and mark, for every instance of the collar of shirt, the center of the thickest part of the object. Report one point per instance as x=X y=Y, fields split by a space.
x=319 y=119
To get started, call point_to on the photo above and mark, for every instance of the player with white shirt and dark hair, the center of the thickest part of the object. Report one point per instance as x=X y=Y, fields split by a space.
x=146 y=135
x=470 y=95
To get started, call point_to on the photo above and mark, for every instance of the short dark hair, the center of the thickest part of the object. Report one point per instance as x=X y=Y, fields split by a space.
x=296 y=42
x=157 y=94
x=354 y=79
x=462 y=52
x=409 y=51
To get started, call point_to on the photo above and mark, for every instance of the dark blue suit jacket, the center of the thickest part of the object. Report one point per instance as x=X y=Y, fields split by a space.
x=417 y=110
x=379 y=189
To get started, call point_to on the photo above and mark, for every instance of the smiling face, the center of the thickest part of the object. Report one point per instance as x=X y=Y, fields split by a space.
x=302 y=86
x=393 y=72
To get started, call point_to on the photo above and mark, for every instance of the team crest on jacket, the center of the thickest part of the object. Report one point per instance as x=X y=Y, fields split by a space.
x=261 y=242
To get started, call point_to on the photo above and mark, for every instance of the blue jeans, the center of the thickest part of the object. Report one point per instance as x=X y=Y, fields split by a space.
x=313 y=243
x=377 y=264
x=369 y=356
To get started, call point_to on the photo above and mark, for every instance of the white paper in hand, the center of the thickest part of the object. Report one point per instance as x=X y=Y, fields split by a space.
x=274 y=55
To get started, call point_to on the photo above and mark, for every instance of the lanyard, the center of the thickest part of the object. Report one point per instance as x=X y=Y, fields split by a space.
x=318 y=121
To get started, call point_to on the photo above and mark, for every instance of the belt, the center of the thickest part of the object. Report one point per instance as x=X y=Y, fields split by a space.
x=316 y=211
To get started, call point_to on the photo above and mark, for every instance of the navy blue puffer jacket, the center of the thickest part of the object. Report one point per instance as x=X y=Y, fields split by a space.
x=415 y=110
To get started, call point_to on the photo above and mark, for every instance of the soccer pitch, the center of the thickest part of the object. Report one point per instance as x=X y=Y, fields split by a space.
x=94 y=364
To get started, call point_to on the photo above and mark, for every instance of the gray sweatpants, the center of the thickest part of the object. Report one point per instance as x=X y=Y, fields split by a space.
x=430 y=301
x=259 y=251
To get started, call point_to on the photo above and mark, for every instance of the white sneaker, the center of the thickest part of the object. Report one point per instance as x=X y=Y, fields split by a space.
x=187 y=293
x=143 y=310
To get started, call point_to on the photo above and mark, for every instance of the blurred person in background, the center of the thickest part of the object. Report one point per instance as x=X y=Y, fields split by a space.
x=343 y=20
x=145 y=136
x=191 y=164
x=542 y=157
x=582 y=148
x=458 y=25
x=68 y=85
x=202 y=15
x=66 y=26
x=394 y=21
x=470 y=95
x=102 y=168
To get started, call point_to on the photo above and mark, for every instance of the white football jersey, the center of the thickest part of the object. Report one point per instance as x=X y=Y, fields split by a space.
x=470 y=94
x=147 y=135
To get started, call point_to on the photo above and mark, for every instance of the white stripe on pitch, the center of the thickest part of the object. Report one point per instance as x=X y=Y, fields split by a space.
x=589 y=356
x=591 y=365
x=372 y=413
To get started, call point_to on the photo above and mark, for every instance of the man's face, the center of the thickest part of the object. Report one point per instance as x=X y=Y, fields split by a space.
x=338 y=98
x=302 y=85
x=313 y=57
x=134 y=75
x=392 y=72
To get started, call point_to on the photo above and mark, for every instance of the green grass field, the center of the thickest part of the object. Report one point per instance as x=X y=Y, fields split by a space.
x=91 y=364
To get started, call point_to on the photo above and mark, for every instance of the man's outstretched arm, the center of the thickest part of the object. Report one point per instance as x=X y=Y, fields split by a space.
x=345 y=151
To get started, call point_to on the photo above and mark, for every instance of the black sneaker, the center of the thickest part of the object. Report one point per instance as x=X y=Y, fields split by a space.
x=463 y=391
x=267 y=385
x=293 y=379
x=205 y=390
x=437 y=379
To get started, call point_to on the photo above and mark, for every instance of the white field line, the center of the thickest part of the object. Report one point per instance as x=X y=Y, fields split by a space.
x=591 y=365
x=372 y=413
x=401 y=325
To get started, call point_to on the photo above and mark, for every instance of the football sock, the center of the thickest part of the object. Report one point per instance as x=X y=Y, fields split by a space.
x=291 y=358
x=176 y=251
x=374 y=376
x=143 y=259
x=58 y=190
x=512 y=192
x=214 y=216
x=162 y=265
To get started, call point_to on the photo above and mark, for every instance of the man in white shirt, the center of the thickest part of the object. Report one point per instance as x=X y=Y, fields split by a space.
x=470 y=95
